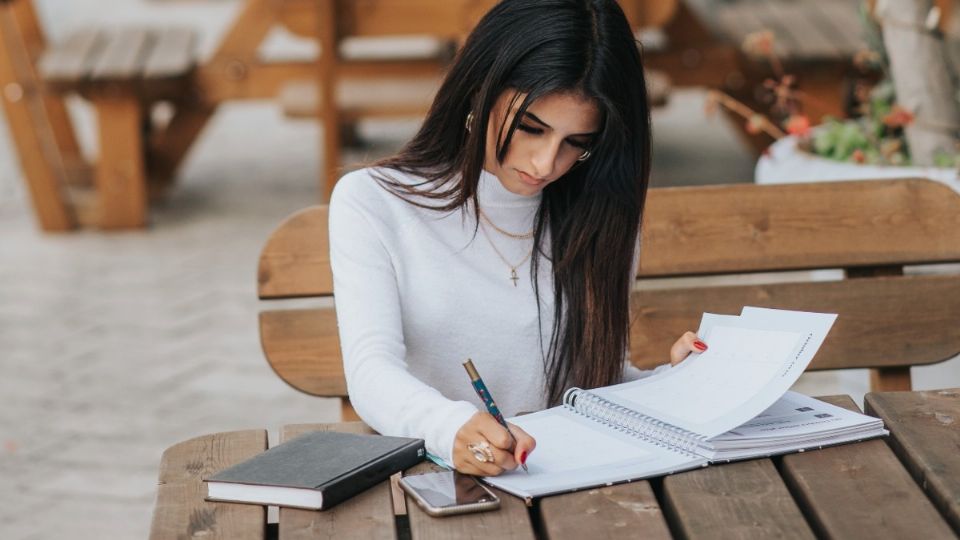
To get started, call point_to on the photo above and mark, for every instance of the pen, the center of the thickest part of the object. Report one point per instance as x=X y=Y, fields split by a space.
x=487 y=399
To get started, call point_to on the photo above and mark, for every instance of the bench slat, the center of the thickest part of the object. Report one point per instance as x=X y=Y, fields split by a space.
x=891 y=321
x=180 y=494
x=917 y=422
x=844 y=489
x=172 y=54
x=303 y=347
x=792 y=21
x=750 y=228
x=72 y=61
x=736 y=500
x=737 y=20
x=841 y=20
x=295 y=260
x=123 y=55
x=366 y=515
x=621 y=511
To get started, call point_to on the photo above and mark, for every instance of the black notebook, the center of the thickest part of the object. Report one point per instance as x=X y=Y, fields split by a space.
x=316 y=470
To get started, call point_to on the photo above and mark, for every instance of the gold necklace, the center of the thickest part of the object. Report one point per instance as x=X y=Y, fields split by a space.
x=523 y=236
x=513 y=267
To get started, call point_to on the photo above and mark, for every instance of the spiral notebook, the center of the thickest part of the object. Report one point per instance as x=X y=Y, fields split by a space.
x=731 y=402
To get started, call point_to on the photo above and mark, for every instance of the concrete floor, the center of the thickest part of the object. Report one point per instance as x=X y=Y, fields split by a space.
x=116 y=346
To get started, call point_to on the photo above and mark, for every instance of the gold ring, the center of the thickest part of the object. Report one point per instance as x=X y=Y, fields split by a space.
x=481 y=451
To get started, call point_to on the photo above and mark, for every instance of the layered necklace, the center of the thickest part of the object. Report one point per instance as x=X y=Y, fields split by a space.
x=524 y=236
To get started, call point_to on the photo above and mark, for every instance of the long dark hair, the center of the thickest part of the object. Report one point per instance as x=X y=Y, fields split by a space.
x=592 y=214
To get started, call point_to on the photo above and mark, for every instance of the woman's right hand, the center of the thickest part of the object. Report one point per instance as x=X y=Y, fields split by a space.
x=482 y=427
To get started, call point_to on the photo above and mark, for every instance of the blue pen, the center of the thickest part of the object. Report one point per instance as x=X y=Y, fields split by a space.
x=487 y=399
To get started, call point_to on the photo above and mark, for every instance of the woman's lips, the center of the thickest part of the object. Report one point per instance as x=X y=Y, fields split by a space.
x=526 y=178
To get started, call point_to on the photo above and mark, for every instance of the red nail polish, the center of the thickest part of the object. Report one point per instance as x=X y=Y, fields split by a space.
x=523 y=457
x=700 y=345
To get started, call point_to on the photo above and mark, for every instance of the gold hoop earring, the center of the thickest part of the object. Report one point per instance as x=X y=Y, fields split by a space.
x=469 y=123
x=584 y=155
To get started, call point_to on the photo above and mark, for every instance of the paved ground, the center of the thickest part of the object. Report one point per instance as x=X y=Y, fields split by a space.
x=116 y=346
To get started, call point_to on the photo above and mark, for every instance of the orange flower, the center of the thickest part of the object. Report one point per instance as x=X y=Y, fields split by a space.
x=898 y=117
x=858 y=156
x=797 y=124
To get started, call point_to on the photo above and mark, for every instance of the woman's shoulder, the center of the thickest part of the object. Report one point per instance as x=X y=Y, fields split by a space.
x=367 y=184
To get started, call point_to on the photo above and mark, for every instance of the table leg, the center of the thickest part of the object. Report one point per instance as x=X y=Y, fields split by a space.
x=120 y=177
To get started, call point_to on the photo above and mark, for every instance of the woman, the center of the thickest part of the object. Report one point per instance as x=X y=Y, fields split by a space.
x=506 y=232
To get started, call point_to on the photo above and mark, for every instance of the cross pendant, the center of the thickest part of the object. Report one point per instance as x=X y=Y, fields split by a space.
x=513 y=276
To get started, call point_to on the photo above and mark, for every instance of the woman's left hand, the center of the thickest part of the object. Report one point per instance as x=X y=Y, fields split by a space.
x=688 y=343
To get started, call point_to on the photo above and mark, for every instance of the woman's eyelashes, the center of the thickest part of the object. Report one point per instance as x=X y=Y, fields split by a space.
x=537 y=131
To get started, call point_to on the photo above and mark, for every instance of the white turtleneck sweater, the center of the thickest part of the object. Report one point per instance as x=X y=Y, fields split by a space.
x=419 y=291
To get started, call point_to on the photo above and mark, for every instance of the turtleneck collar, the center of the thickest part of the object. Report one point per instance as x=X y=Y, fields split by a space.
x=492 y=194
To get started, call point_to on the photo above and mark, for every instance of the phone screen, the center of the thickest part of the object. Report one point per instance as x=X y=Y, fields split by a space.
x=448 y=488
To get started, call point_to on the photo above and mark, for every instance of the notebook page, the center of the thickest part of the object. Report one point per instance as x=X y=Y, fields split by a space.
x=575 y=452
x=749 y=364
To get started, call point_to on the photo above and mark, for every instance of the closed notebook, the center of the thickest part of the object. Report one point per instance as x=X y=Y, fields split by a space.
x=316 y=470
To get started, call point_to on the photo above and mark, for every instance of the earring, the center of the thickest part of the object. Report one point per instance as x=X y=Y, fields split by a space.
x=584 y=155
x=469 y=123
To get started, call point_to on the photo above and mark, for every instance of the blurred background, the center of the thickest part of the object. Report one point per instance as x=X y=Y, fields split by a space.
x=128 y=314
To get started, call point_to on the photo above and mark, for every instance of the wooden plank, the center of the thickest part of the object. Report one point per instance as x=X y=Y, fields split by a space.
x=172 y=54
x=621 y=511
x=303 y=348
x=925 y=435
x=860 y=491
x=123 y=55
x=295 y=260
x=181 y=512
x=120 y=176
x=36 y=142
x=70 y=62
x=736 y=20
x=511 y=521
x=746 y=499
x=751 y=228
x=841 y=20
x=893 y=379
x=365 y=515
x=883 y=322
x=791 y=23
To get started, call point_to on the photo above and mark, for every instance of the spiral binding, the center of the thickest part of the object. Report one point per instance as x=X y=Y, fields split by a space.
x=632 y=422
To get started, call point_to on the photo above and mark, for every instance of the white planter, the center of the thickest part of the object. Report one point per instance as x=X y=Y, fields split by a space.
x=784 y=163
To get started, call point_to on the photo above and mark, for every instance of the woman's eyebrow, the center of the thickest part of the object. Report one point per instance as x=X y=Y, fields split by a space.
x=548 y=126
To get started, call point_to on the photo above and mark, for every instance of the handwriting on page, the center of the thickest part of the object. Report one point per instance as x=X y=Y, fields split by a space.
x=737 y=365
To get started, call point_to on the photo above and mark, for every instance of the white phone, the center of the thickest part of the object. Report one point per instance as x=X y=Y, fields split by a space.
x=447 y=493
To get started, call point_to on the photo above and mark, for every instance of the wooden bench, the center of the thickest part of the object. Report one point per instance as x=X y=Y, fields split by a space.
x=905 y=487
x=123 y=73
x=887 y=321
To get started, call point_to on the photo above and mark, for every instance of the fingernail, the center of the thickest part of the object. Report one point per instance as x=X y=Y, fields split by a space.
x=700 y=345
x=523 y=457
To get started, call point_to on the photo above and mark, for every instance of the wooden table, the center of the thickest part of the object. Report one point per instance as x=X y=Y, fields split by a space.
x=907 y=486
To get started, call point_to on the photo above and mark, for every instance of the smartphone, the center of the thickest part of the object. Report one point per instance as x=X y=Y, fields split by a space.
x=447 y=493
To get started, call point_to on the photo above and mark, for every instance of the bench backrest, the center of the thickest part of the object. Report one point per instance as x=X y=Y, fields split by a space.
x=869 y=229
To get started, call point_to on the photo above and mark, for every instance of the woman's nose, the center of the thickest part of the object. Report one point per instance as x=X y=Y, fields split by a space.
x=544 y=160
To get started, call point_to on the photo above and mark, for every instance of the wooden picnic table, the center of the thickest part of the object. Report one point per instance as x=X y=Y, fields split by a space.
x=907 y=486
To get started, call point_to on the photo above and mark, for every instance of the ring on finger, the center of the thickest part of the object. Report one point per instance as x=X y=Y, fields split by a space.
x=481 y=451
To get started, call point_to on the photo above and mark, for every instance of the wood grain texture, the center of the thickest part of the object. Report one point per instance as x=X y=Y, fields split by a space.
x=120 y=173
x=172 y=54
x=746 y=499
x=511 y=521
x=35 y=138
x=71 y=61
x=883 y=322
x=755 y=228
x=181 y=512
x=123 y=55
x=621 y=511
x=303 y=348
x=295 y=261
x=366 y=515
x=860 y=490
x=925 y=435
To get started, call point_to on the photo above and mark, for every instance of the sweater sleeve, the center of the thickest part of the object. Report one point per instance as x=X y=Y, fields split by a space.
x=382 y=390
